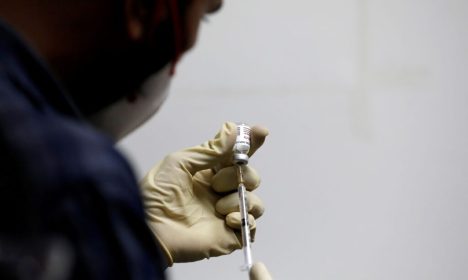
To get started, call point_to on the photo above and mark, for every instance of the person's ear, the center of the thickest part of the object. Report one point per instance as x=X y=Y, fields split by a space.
x=134 y=21
x=141 y=18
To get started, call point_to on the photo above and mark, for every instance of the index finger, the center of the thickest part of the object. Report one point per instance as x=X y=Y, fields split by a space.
x=258 y=135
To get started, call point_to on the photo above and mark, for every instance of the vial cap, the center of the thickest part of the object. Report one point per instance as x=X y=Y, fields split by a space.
x=241 y=159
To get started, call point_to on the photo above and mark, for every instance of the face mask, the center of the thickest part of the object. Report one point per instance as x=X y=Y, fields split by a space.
x=125 y=115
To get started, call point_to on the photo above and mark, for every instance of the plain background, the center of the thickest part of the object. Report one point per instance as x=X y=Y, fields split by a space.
x=365 y=172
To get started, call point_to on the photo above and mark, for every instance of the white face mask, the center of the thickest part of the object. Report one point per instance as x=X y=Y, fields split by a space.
x=124 y=116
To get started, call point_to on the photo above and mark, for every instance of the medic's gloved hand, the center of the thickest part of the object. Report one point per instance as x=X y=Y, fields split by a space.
x=190 y=198
x=259 y=272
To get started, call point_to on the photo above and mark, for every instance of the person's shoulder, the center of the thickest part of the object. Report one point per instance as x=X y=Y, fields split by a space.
x=43 y=139
x=48 y=144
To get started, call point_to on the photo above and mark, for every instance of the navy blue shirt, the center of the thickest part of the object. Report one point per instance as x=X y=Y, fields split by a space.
x=69 y=202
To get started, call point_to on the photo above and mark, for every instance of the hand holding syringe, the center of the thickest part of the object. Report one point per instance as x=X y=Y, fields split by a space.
x=190 y=204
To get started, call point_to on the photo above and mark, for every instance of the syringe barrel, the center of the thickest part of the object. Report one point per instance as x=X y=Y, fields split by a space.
x=245 y=226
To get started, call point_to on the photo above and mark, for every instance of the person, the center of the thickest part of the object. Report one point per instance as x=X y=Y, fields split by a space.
x=76 y=76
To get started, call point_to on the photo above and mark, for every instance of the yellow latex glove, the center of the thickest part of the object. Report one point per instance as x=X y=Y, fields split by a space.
x=259 y=272
x=191 y=207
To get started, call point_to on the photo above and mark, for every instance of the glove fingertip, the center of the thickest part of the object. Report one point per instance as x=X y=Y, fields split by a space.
x=260 y=131
x=234 y=221
x=257 y=138
x=259 y=272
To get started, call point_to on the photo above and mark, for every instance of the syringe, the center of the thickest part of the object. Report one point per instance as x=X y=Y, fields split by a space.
x=241 y=158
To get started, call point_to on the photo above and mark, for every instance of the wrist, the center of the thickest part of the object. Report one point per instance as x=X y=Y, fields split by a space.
x=163 y=249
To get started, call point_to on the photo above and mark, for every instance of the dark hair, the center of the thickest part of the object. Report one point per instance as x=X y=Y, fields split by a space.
x=109 y=80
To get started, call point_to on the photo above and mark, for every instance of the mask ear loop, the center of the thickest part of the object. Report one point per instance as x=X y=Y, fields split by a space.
x=177 y=33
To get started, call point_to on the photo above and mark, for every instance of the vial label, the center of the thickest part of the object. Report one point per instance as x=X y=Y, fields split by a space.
x=243 y=139
x=242 y=146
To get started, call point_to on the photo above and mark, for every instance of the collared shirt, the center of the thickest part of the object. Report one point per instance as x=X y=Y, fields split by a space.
x=69 y=202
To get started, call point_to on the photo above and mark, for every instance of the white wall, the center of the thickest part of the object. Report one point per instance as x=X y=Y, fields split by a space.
x=365 y=174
